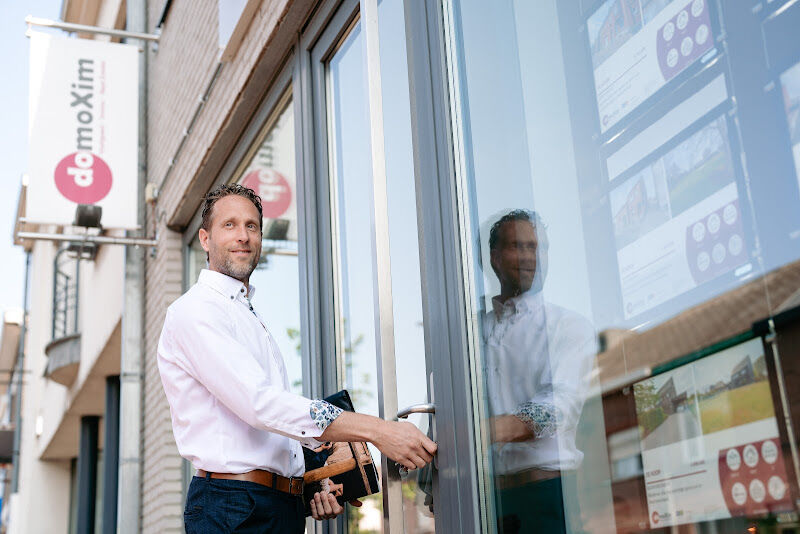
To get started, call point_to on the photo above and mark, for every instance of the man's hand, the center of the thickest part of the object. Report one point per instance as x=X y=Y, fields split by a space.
x=405 y=444
x=325 y=506
x=401 y=442
x=509 y=428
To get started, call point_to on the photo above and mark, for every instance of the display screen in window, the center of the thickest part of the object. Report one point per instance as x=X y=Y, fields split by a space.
x=638 y=46
x=677 y=221
x=710 y=441
x=790 y=84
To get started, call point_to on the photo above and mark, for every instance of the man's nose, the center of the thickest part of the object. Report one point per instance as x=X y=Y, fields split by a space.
x=529 y=254
x=242 y=235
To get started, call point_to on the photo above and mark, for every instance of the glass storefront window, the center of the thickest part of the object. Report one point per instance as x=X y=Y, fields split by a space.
x=629 y=192
x=269 y=170
x=351 y=191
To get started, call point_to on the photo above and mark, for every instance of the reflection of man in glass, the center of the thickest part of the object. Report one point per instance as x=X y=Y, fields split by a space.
x=538 y=358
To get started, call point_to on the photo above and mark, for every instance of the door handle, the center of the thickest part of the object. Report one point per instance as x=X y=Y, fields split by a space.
x=416 y=408
x=404 y=413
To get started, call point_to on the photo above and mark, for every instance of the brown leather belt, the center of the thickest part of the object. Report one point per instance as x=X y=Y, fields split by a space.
x=292 y=486
x=525 y=477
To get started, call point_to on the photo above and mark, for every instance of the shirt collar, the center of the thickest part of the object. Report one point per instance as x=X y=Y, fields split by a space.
x=530 y=300
x=222 y=283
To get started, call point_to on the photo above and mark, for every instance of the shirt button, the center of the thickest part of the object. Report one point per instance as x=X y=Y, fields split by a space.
x=242 y=290
x=231 y=297
x=303 y=432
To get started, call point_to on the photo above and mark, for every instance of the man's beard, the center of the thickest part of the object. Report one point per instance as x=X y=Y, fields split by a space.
x=238 y=271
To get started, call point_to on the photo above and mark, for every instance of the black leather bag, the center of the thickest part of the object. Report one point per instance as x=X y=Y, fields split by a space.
x=345 y=469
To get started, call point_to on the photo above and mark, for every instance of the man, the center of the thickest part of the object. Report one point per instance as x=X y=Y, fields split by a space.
x=233 y=416
x=538 y=361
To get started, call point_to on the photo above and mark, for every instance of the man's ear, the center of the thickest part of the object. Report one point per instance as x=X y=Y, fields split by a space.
x=493 y=260
x=202 y=235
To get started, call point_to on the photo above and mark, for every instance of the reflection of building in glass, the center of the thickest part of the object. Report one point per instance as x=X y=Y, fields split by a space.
x=742 y=374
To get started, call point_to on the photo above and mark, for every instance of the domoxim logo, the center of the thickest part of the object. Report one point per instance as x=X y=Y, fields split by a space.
x=83 y=177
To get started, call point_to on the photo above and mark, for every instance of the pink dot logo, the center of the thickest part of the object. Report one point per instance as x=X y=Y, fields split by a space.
x=274 y=190
x=83 y=178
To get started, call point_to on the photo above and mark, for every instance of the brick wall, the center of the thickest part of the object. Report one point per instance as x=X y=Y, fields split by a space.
x=179 y=71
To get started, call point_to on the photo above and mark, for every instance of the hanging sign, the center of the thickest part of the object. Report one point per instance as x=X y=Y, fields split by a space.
x=83 y=130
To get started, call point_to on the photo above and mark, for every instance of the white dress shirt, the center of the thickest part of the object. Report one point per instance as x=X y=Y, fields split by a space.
x=539 y=358
x=227 y=386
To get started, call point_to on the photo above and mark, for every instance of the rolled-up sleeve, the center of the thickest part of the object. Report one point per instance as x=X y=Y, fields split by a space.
x=557 y=405
x=207 y=349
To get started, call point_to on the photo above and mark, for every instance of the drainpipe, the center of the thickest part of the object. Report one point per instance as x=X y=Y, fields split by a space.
x=129 y=499
x=19 y=375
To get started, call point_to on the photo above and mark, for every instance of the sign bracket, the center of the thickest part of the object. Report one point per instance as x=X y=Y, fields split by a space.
x=98 y=239
x=83 y=28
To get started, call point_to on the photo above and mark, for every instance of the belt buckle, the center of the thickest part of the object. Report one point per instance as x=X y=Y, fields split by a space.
x=300 y=485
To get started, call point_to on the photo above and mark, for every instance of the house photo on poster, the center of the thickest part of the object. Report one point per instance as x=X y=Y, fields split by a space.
x=638 y=46
x=677 y=221
x=710 y=441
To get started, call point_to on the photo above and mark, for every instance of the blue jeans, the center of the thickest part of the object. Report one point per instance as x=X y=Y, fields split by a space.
x=215 y=506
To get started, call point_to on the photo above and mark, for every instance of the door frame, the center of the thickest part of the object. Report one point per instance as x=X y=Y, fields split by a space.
x=445 y=322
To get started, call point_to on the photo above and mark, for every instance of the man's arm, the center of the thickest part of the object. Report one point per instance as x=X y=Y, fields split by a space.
x=201 y=345
x=212 y=355
x=558 y=405
x=400 y=441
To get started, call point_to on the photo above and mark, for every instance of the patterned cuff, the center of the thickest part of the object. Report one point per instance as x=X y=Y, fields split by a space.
x=541 y=418
x=323 y=413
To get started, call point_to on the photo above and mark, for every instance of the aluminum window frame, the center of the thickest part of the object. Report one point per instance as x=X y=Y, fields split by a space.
x=444 y=299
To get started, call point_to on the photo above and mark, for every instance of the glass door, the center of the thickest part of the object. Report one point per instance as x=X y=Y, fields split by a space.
x=376 y=288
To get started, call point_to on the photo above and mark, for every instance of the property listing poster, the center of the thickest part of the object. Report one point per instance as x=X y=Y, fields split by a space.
x=678 y=221
x=710 y=442
x=637 y=46
x=790 y=85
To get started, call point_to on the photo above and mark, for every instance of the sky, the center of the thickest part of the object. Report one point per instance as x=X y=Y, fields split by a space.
x=14 y=136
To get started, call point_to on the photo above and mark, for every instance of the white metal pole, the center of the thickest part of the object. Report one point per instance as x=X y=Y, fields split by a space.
x=387 y=371
x=83 y=28
x=129 y=499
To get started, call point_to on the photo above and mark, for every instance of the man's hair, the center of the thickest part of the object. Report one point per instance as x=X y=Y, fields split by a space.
x=225 y=190
x=513 y=216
